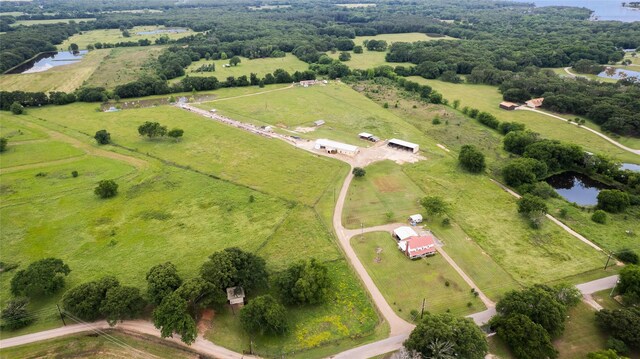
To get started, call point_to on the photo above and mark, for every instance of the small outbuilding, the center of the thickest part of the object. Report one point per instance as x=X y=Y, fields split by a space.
x=307 y=83
x=417 y=246
x=368 y=137
x=535 y=103
x=334 y=147
x=404 y=232
x=509 y=106
x=318 y=123
x=235 y=296
x=403 y=145
x=112 y=109
x=415 y=219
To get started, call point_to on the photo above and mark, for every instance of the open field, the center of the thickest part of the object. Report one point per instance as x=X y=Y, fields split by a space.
x=401 y=37
x=486 y=98
x=64 y=78
x=260 y=67
x=405 y=283
x=367 y=60
x=50 y=21
x=20 y=154
x=345 y=111
x=122 y=65
x=384 y=195
x=112 y=36
x=353 y=6
x=562 y=73
x=12 y=129
x=94 y=346
x=209 y=147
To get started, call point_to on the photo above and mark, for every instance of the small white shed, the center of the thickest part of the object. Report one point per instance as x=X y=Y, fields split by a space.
x=415 y=219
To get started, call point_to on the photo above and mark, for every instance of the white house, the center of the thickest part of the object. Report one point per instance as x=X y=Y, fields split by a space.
x=336 y=147
x=415 y=219
x=404 y=145
x=404 y=232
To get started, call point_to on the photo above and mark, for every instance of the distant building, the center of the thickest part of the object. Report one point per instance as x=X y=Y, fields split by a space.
x=535 y=103
x=307 y=83
x=213 y=110
x=404 y=232
x=417 y=246
x=112 y=109
x=403 y=145
x=368 y=137
x=318 y=123
x=235 y=296
x=415 y=219
x=336 y=147
x=509 y=106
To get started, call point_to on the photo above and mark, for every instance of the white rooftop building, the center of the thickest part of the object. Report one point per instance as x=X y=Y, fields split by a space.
x=404 y=145
x=335 y=147
x=415 y=219
x=404 y=232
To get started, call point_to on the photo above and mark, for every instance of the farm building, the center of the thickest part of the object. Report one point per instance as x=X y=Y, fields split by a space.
x=319 y=123
x=417 y=246
x=404 y=232
x=307 y=83
x=112 y=109
x=535 y=103
x=235 y=296
x=336 y=147
x=509 y=106
x=415 y=219
x=404 y=145
x=368 y=137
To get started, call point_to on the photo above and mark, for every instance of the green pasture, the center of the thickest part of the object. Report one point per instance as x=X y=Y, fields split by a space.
x=36 y=152
x=112 y=36
x=208 y=146
x=367 y=60
x=405 y=283
x=12 y=129
x=64 y=78
x=384 y=195
x=123 y=65
x=94 y=346
x=50 y=21
x=486 y=98
x=401 y=37
x=488 y=215
x=260 y=67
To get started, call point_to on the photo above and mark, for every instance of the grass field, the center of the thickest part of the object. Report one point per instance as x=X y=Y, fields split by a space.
x=64 y=78
x=122 y=65
x=353 y=6
x=12 y=129
x=487 y=98
x=50 y=21
x=405 y=283
x=93 y=346
x=29 y=153
x=112 y=36
x=401 y=37
x=261 y=67
x=367 y=60
x=562 y=73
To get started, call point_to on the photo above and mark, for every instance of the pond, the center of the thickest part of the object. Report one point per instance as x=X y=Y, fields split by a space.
x=162 y=31
x=630 y=166
x=48 y=60
x=602 y=9
x=577 y=188
x=619 y=74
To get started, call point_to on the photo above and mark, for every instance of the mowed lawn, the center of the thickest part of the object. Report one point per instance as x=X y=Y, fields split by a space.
x=266 y=165
x=12 y=129
x=260 y=67
x=384 y=195
x=64 y=78
x=405 y=283
x=486 y=98
x=112 y=36
x=488 y=215
x=36 y=152
x=345 y=111
x=123 y=65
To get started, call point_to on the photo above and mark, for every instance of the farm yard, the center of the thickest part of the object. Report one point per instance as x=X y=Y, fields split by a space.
x=112 y=36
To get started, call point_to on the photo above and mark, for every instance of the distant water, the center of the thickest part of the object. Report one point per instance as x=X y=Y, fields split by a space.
x=48 y=60
x=619 y=74
x=603 y=9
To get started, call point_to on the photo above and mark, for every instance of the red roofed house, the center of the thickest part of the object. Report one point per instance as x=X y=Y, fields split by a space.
x=535 y=103
x=418 y=246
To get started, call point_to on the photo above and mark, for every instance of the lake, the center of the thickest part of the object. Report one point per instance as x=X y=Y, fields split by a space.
x=631 y=167
x=620 y=73
x=48 y=60
x=577 y=188
x=602 y=9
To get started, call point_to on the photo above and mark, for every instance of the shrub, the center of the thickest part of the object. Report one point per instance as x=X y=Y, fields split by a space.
x=471 y=159
x=599 y=216
x=74 y=174
x=305 y=282
x=16 y=108
x=359 y=171
x=264 y=315
x=618 y=345
x=106 y=189
x=436 y=121
x=3 y=144
x=102 y=137
x=613 y=200
x=628 y=256
x=15 y=315
x=446 y=222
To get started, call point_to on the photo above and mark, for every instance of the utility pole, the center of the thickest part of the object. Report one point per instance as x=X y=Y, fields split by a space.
x=61 y=316
x=422 y=312
x=362 y=228
x=608 y=259
x=614 y=288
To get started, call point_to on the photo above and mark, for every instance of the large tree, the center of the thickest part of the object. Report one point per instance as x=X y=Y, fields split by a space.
x=152 y=129
x=629 y=285
x=102 y=137
x=42 y=277
x=464 y=336
x=622 y=324
x=121 y=303
x=264 y=315
x=471 y=159
x=162 y=280
x=613 y=200
x=84 y=300
x=526 y=339
x=434 y=205
x=172 y=316
x=15 y=315
x=304 y=282
x=106 y=189
x=235 y=267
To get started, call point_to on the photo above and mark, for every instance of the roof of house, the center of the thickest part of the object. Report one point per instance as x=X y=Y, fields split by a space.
x=508 y=104
x=418 y=245
x=365 y=134
x=336 y=145
x=235 y=295
x=404 y=232
x=319 y=122
x=396 y=141
x=416 y=217
x=537 y=102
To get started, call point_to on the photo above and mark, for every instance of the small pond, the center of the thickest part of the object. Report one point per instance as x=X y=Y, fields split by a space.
x=631 y=167
x=48 y=60
x=576 y=187
x=162 y=31
x=619 y=74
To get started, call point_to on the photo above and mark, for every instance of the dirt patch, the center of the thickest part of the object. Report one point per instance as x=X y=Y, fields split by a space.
x=305 y=129
x=387 y=184
x=204 y=323
x=126 y=105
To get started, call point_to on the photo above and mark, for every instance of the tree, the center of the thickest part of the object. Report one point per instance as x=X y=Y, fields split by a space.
x=171 y=316
x=629 y=285
x=152 y=129
x=102 y=137
x=3 y=144
x=628 y=256
x=464 y=336
x=121 y=303
x=84 y=301
x=471 y=159
x=106 y=189
x=233 y=267
x=613 y=200
x=16 y=108
x=305 y=282
x=234 y=61
x=605 y=354
x=523 y=171
x=42 y=277
x=599 y=216
x=357 y=49
x=622 y=324
x=529 y=205
x=517 y=141
x=162 y=280
x=15 y=315
x=199 y=293
x=526 y=339
x=344 y=56
x=359 y=171
x=264 y=315
x=175 y=133
x=434 y=205
x=74 y=48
